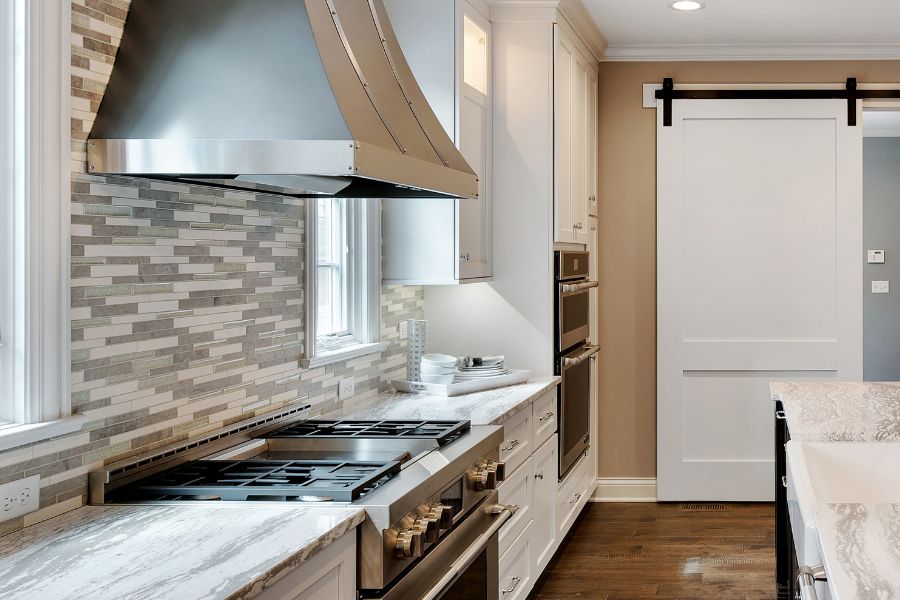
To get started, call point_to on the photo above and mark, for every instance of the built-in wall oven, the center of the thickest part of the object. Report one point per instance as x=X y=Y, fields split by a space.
x=573 y=352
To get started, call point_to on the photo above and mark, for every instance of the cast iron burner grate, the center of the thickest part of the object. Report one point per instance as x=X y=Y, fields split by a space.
x=272 y=480
x=443 y=432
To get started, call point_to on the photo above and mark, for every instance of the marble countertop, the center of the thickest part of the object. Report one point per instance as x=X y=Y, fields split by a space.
x=841 y=411
x=491 y=407
x=227 y=552
x=861 y=548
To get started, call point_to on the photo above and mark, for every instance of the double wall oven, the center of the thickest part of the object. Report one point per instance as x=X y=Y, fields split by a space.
x=573 y=353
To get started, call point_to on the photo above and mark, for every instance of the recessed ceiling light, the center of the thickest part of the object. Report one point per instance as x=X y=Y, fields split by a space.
x=686 y=5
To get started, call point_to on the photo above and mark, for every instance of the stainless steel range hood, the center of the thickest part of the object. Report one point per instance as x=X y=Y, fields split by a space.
x=297 y=97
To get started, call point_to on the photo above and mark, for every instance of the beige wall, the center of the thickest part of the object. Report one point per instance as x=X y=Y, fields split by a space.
x=627 y=444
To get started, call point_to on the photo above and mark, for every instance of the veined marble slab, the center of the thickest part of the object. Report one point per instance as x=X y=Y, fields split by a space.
x=491 y=407
x=841 y=411
x=169 y=552
x=861 y=548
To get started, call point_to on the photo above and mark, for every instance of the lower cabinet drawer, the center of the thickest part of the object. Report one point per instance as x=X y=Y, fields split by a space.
x=572 y=496
x=516 y=578
x=517 y=489
x=516 y=446
x=543 y=418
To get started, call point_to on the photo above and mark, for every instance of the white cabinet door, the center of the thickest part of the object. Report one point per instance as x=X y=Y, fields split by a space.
x=543 y=504
x=329 y=575
x=474 y=216
x=564 y=77
x=593 y=208
x=579 y=172
x=759 y=239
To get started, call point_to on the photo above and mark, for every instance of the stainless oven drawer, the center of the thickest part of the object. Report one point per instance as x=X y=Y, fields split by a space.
x=574 y=406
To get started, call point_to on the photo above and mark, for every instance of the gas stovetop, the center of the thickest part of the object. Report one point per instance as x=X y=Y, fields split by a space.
x=270 y=480
x=442 y=432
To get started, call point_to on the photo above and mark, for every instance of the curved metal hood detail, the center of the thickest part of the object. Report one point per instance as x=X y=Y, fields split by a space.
x=299 y=97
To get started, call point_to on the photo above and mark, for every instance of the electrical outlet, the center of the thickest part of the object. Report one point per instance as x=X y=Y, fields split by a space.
x=19 y=497
x=402 y=327
x=881 y=287
x=346 y=388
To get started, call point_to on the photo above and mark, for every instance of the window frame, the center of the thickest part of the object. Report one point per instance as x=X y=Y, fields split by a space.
x=35 y=138
x=364 y=282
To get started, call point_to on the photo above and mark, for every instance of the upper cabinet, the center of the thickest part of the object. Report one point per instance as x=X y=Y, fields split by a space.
x=575 y=138
x=447 y=44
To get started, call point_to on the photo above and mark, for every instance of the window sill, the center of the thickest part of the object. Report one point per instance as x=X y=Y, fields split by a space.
x=332 y=356
x=13 y=436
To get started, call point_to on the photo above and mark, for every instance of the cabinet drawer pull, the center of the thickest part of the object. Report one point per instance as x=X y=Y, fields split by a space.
x=464 y=257
x=539 y=475
x=510 y=446
x=575 y=499
x=784 y=481
x=515 y=583
x=546 y=416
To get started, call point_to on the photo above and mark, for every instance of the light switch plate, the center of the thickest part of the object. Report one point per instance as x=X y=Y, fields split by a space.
x=346 y=388
x=881 y=287
x=402 y=328
x=876 y=257
x=19 y=497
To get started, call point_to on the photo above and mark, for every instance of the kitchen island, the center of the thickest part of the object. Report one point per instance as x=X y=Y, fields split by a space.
x=857 y=538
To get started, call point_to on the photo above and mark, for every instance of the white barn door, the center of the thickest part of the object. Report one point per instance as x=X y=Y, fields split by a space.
x=759 y=278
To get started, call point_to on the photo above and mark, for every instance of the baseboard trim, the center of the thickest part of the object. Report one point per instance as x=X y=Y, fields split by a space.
x=631 y=489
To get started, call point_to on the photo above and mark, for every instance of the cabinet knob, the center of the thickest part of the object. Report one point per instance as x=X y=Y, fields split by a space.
x=579 y=226
x=464 y=257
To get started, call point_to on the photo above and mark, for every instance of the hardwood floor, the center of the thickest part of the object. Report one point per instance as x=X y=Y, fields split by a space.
x=665 y=551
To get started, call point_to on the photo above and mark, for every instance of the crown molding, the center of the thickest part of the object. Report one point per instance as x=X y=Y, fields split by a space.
x=573 y=11
x=715 y=52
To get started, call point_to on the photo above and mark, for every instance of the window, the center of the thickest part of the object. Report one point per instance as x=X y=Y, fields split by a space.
x=34 y=221
x=343 y=279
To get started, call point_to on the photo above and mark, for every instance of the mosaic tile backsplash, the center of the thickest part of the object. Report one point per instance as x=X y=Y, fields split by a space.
x=187 y=306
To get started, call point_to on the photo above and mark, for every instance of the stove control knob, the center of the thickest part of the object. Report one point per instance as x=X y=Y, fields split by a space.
x=443 y=514
x=501 y=470
x=486 y=477
x=410 y=544
x=428 y=526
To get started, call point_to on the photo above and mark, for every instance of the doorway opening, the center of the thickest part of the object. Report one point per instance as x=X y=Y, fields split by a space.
x=881 y=241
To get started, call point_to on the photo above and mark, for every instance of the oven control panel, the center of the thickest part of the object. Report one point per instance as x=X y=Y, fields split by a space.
x=413 y=534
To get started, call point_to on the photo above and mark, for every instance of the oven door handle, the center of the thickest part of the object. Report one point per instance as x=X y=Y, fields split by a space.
x=566 y=288
x=572 y=361
x=503 y=512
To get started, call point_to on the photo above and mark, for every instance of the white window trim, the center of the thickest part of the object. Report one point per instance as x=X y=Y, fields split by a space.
x=367 y=323
x=39 y=340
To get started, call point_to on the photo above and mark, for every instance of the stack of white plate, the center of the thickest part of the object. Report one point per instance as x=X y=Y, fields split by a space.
x=489 y=366
x=437 y=368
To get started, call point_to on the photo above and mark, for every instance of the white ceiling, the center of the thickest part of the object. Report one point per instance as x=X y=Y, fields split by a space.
x=735 y=28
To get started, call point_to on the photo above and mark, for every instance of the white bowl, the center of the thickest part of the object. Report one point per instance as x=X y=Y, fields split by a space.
x=430 y=369
x=439 y=360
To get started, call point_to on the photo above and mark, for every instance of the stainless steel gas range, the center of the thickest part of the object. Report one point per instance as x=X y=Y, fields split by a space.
x=428 y=488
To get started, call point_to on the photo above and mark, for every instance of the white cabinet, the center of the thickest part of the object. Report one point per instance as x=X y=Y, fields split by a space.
x=543 y=503
x=518 y=489
x=575 y=139
x=517 y=446
x=516 y=577
x=443 y=241
x=574 y=492
x=329 y=575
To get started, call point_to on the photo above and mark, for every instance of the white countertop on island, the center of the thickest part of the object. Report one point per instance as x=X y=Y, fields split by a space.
x=222 y=552
x=491 y=407
x=861 y=548
x=841 y=411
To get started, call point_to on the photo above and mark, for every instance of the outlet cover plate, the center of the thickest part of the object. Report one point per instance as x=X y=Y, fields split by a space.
x=881 y=287
x=19 y=497
x=346 y=388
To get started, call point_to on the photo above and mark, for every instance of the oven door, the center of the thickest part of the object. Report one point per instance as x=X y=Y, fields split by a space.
x=574 y=406
x=573 y=313
x=464 y=565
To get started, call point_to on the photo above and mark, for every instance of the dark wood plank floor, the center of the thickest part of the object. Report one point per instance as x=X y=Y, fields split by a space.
x=665 y=551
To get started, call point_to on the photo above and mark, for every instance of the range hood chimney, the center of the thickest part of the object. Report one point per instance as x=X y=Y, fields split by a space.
x=297 y=97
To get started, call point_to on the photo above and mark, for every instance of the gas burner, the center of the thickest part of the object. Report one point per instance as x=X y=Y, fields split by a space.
x=443 y=432
x=270 y=480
